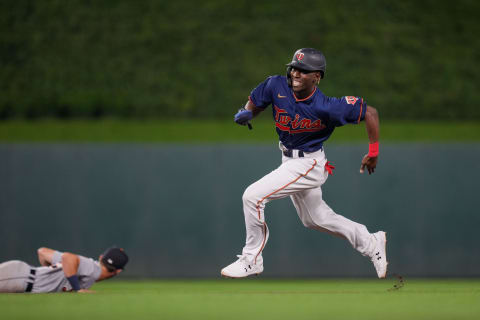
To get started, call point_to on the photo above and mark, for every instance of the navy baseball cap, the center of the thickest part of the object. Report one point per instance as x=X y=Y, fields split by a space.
x=115 y=258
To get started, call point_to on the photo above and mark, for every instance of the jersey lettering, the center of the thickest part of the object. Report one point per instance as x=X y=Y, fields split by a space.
x=295 y=122
x=296 y=125
x=284 y=120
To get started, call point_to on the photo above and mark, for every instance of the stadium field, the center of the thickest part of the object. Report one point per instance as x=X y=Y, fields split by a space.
x=255 y=298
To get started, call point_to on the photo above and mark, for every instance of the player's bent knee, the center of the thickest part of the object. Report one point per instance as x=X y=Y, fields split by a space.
x=309 y=224
x=249 y=197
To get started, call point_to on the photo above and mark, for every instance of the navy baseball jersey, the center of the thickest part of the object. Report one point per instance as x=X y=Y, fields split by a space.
x=305 y=124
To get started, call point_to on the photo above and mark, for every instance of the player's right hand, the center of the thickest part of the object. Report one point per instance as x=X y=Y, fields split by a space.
x=243 y=116
x=370 y=163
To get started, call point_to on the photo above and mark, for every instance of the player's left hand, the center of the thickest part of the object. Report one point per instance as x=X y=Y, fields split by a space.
x=370 y=163
x=243 y=116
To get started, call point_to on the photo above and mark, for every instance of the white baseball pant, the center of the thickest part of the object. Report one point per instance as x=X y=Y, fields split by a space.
x=14 y=275
x=300 y=178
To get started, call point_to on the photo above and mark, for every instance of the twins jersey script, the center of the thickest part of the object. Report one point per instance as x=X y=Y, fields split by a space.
x=304 y=124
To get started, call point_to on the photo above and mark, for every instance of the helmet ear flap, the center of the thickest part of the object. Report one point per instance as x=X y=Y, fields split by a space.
x=289 y=77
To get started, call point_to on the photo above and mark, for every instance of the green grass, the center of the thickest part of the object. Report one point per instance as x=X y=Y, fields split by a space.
x=255 y=299
x=197 y=131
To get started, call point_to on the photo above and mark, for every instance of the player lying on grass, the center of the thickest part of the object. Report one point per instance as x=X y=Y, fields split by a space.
x=60 y=271
x=304 y=119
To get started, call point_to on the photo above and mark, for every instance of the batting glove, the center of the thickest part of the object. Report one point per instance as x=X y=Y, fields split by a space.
x=243 y=116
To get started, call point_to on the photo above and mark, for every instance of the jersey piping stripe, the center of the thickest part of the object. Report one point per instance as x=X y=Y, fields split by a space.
x=280 y=189
x=314 y=90
x=360 y=115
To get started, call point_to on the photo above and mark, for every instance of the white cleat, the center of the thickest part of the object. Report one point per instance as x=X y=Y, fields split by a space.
x=379 y=256
x=241 y=268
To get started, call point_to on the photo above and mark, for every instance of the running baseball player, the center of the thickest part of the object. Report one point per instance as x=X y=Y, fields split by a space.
x=60 y=271
x=305 y=118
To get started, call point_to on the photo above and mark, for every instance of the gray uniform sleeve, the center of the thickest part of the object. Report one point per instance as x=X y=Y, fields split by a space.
x=88 y=272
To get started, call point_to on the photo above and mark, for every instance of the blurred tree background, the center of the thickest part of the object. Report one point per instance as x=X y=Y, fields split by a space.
x=413 y=60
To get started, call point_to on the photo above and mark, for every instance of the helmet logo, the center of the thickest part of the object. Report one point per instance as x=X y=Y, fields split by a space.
x=300 y=56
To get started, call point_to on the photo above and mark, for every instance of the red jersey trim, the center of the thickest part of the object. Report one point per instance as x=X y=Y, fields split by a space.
x=296 y=99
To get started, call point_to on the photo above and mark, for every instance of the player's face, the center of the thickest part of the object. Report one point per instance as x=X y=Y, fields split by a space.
x=304 y=80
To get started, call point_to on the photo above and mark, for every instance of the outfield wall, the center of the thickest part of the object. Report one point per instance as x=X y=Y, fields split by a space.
x=176 y=209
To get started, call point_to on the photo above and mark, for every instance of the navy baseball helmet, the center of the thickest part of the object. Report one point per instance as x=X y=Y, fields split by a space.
x=114 y=258
x=308 y=59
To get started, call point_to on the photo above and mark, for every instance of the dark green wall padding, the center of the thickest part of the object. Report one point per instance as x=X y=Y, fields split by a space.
x=177 y=209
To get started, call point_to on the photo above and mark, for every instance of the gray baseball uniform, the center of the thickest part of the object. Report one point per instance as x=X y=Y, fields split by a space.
x=18 y=276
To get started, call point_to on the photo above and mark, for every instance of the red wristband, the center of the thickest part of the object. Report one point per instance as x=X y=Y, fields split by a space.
x=373 y=150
